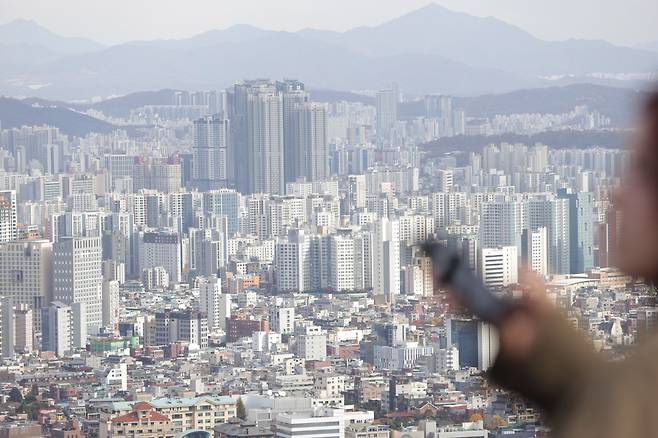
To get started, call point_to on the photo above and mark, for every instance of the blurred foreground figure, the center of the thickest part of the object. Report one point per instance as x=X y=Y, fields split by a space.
x=543 y=358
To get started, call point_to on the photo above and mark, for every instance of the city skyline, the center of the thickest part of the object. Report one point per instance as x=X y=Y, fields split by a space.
x=226 y=235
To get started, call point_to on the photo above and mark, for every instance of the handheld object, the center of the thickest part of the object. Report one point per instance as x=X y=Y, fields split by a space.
x=449 y=269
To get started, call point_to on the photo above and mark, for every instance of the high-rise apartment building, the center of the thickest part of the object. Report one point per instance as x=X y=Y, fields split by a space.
x=477 y=342
x=440 y=108
x=554 y=214
x=8 y=220
x=77 y=276
x=501 y=224
x=292 y=260
x=181 y=326
x=26 y=274
x=210 y=153
x=24 y=328
x=535 y=250
x=110 y=305
x=341 y=269
x=7 y=328
x=294 y=98
x=282 y=319
x=356 y=191
x=581 y=230
x=311 y=158
x=387 y=114
x=386 y=259
x=215 y=304
x=257 y=112
x=224 y=202
x=64 y=328
x=161 y=249
x=499 y=266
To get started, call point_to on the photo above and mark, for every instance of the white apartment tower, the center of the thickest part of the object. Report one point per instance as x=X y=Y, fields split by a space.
x=8 y=221
x=341 y=267
x=161 y=249
x=64 y=328
x=535 y=250
x=215 y=304
x=282 y=319
x=77 y=276
x=499 y=266
x=26 y=274
x=312 y=161
x=386 y=258
x=292 y=260
x=110 y=305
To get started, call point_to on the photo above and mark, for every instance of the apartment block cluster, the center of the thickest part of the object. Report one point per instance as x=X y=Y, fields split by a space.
x=250 y=266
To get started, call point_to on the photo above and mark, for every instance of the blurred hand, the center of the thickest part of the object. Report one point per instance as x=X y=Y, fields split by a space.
x=521 y=328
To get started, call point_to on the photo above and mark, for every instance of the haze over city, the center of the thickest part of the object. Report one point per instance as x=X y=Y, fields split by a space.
x=626 y=23
x=248 y=219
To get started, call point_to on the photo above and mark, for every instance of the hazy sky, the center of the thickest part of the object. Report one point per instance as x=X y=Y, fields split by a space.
x=112 y=21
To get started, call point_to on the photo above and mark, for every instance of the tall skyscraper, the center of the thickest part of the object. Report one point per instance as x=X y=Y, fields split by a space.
x=77 y=276
x=24 y=328
x=477 y=342
x=554 y=214
x=215 y=304
x=8 y=221
x=161 y=249
x=356 y=191
x=292 y=260
x=387 y=114
x=440 y=108
x=501 y=224
x=26 y=274
x=110 y=305
x=7 y=331
x=386 y=259
x=64 y=328
x=581 y=230
x=224 y=202
x=294 y=97
x=210 y=162
x=535 y=250
x=257 y=111
x=341 y=269
x=311 y=158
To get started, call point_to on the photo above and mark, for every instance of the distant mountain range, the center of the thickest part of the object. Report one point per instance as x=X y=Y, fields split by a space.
x=16 y=113
x=29 y=33
x=431 y=50
x=652 y=46
x=616 y=103
x=552 y=139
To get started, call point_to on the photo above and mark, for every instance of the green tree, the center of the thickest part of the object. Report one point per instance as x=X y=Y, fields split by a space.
x=15 y=395
x=240 y=410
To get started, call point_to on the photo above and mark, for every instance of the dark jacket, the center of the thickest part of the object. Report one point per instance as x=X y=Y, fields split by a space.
x=582 y=395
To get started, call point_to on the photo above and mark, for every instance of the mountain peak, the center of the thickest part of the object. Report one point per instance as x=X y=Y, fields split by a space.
x=21 y=22
x=434 y=8
x=23 y=25
x=28 y=32
x=243 y=28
